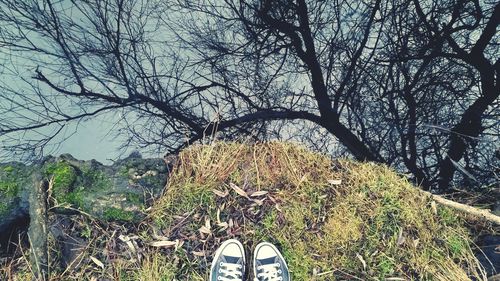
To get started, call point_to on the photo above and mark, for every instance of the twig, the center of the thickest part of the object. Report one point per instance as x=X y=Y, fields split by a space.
x=486 y=214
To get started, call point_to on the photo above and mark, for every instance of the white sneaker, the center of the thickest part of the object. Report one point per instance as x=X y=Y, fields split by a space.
x=229 y=262
x=269 y=264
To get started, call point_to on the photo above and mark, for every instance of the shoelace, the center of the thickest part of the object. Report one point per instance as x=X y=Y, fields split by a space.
x=230 y=270
x=269 y=272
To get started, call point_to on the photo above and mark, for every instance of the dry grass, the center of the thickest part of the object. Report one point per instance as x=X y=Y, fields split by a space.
x=372 y=226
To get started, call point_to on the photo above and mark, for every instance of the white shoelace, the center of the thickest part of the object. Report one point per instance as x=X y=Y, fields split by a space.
x=269 y=272
x=230 y=270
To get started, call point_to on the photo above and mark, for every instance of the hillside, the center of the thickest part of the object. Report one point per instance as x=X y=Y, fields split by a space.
x=332 y=219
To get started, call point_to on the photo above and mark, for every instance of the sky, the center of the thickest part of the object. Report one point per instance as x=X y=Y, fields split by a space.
x=94 y=140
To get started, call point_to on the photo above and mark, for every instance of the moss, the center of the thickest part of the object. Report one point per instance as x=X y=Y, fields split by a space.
x=8 y=169
x=134 y=198
x=10 y=183
x=94 y=179
x=117 y=214
x=64 y=176
x=77 y=198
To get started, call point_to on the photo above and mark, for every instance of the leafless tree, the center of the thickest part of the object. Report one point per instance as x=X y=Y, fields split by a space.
x=408 y=83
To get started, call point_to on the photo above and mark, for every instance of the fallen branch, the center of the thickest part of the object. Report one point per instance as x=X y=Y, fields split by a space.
x=486 y=214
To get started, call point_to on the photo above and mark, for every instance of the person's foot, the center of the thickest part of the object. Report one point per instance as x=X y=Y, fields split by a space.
x=269 y=264
x=229 y=262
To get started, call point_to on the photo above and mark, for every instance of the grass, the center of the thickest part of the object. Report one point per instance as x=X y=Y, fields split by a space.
x=374 y=225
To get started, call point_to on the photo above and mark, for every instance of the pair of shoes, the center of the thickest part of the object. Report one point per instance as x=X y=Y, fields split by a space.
x=229 y=263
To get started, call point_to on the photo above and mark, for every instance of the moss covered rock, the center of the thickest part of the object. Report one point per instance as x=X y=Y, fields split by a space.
x=333 y=220
x=112 y=193
x=14 y=179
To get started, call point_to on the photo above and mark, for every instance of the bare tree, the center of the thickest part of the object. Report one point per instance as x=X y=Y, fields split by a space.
x=400 y=82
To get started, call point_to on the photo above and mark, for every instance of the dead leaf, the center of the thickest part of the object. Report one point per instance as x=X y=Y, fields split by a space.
x=259 y=193
x=223 y=224
x=335 y=182
x=218 y=215
x=434 y=208
x=205 y=230
x=238 y=190
x=127 y=240
x=220 y=193
x=199 y=254
x=401 y=238
x=123 y=238
x=277 y=206
x=165 y=244
x=416 y=242
x=258 y=202
x=97 y=262
x=159 y=237
x=178 y=245
x=363 y=262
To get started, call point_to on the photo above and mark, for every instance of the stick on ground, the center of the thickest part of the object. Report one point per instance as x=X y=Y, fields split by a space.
x=465 y=208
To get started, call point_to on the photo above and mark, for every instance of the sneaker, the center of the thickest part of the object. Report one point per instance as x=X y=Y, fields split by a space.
x=229 y=262
x=269 y=264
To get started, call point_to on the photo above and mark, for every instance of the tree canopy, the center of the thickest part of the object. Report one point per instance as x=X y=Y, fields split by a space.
x=413 y=84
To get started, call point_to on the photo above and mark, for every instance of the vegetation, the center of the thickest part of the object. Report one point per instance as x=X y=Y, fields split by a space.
x=118 y=214
x=69 y=188
x=332 y=219
x=63 y=176
x=10 y=180
x=373 y=225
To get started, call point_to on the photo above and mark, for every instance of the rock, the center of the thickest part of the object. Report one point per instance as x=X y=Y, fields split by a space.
x=14 y=180
x=116 y=192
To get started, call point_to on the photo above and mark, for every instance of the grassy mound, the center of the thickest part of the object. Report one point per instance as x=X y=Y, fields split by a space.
x=371 y=225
